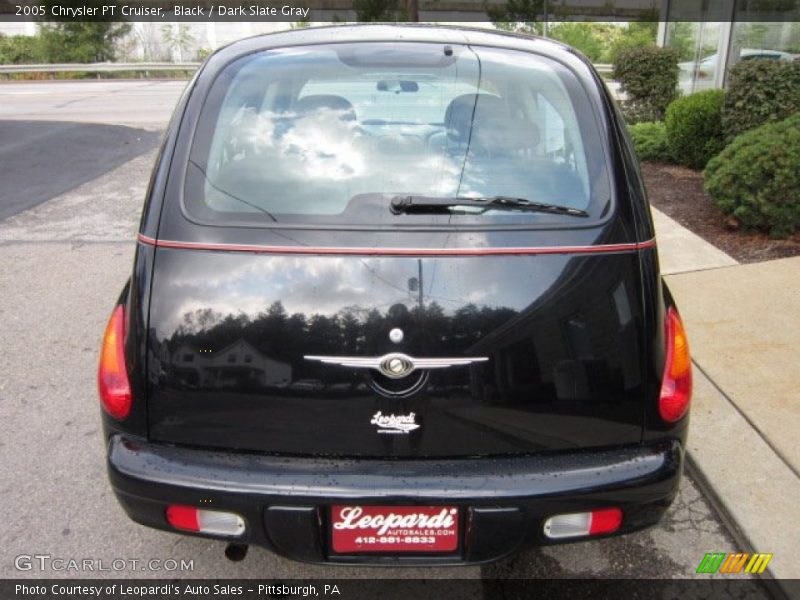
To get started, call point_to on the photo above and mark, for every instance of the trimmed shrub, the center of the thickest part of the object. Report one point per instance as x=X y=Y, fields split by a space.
x=649 y=77
x=694 y=128
x=650 y=141
x=757 y=178
x=760 y=91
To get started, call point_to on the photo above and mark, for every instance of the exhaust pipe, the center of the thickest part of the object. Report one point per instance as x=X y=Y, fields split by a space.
x=236 y=552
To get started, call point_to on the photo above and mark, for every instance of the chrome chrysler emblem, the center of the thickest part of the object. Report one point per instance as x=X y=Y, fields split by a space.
x=396 y=365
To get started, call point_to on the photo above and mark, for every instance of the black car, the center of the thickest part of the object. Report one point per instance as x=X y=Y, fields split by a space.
x=395 y=300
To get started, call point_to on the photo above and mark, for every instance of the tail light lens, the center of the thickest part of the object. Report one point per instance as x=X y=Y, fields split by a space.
x=217 y=522
x=606 y=520
x=112 y=376
x=676 y=387
x=596 y=522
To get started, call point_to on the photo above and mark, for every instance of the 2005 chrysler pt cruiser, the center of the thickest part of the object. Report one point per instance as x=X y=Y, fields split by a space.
x=395 y=300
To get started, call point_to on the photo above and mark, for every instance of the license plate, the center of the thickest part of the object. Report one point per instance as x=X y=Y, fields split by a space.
x=390 y=529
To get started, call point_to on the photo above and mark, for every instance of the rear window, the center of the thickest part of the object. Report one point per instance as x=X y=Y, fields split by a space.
x=330 y=134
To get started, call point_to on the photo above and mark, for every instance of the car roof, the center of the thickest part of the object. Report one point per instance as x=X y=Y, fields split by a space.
x=417 y=32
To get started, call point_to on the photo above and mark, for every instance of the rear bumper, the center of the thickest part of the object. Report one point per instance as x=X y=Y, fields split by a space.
x=285 y=500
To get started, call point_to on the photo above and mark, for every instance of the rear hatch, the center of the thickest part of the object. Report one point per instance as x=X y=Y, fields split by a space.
x=323 y=219
x=556 y=339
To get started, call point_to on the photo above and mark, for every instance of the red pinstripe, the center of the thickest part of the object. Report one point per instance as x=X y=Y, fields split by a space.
x=597 y=248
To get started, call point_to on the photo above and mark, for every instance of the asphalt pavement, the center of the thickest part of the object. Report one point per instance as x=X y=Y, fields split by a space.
x=43 y=159
x=142 y=103
x=64 y=262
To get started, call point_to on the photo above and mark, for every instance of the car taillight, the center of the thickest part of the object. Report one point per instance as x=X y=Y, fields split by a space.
x=595 y=522
x=112 y=376
x=217 y=522
x=676 y=387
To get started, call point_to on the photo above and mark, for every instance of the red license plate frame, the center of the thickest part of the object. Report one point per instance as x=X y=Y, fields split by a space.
x=354 y=529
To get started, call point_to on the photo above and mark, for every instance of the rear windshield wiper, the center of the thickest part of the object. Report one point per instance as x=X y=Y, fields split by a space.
x=432 y=204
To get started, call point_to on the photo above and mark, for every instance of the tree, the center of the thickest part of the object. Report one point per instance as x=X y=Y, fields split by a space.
x=150 y=40
x=638 y=34
x=377 y=10
x=412 y=10
x=595 y=39
x=65 y=42
x=20 y=49
x=517 y=15
x=351 y=331
x=581 y=36
x=179 y=39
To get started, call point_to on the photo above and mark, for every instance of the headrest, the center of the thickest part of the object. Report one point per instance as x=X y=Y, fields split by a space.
x=459 y=113
x=311 y=104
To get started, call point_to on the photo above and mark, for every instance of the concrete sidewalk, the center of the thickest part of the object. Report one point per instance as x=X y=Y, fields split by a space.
x=743 y=325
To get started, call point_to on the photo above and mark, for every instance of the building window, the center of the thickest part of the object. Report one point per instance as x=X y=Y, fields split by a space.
x=248 y=358
x=231 y=358
x=188 y=358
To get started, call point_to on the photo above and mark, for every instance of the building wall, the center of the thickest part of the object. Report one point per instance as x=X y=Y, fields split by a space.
x=721 y=33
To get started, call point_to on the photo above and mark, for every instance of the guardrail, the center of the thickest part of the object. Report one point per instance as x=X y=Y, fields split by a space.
x=138 y=67
x=102 y=67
